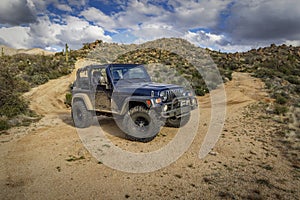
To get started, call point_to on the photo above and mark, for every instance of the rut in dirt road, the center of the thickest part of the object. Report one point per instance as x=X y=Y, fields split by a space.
x=49 y=98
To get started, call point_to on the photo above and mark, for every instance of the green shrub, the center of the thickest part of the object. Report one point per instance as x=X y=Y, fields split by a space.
x=4 y=124
x=297 y=89
x=54 y=74
x=200 y=90
x=40 y=79
x=280 y=98
x=293 y=79
x=68 y=100
x=20 y=72
x=12 y=105
x=280 y=110
x=22 y=86
x=226 y=73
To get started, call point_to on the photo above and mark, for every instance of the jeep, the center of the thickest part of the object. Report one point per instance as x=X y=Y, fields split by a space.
x=139 y=106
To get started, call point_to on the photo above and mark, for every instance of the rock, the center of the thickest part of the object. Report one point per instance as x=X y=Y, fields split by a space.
x=213 y=153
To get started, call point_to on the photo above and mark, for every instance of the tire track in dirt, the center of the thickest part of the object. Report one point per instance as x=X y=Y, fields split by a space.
x=49 y=98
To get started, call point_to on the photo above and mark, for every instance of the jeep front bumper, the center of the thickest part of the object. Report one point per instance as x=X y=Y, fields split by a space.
x=179 y=107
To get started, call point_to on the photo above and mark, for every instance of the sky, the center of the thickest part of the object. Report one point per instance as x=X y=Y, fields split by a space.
x=225 y=25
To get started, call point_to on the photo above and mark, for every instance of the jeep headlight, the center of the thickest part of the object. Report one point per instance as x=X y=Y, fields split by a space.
x=163 y=95
x=188 y=93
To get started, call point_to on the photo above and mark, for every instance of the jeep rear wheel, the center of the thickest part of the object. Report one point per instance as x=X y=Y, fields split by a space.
x=178 y=122
x=81 y=116
x=141 y=124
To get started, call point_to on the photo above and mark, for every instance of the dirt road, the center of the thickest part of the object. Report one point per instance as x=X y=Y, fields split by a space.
x=47 y=160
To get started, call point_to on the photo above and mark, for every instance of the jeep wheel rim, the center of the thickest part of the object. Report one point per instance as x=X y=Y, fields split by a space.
x=141 y=123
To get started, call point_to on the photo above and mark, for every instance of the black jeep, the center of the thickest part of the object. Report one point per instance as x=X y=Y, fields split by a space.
x=126 y=92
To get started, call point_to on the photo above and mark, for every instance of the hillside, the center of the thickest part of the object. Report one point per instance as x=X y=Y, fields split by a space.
x=19 y=73
x=173 y=55
x=256 y=156
x=279 y=68
x=245 y=163
x=180 y=62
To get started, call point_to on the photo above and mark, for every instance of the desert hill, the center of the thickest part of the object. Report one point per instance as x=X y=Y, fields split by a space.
x=34 y=51
x=256 y=156
x=277 y=66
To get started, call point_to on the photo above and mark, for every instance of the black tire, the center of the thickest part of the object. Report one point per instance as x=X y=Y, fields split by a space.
x=178 y=122
x=141 y=124
x=82 y=118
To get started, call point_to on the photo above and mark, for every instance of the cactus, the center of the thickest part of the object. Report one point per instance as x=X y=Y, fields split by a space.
x=67 y=52
x=2 y=52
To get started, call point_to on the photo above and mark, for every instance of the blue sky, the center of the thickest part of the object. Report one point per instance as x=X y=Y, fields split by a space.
x=226 y=25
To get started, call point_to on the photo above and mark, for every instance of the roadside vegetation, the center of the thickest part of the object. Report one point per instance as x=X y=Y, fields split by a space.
x=19 y=73
x=279 y=68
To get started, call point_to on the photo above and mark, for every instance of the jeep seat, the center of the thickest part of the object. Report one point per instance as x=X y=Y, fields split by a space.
x=116 y=75
x=96 y=77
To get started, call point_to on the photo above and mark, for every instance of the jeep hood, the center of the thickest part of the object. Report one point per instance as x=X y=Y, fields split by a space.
x=143 y=89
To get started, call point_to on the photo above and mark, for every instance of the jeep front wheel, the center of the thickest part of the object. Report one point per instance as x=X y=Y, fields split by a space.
x=141 y=124
x=81 y=116
x=178 y=122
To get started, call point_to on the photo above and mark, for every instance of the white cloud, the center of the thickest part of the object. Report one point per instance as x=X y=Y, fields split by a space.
x=53 y=49
x=248 y=23
x=64 y=7
x=185 y=15
x=264 y=21
x=44 y=32
x=144 y=8
x=138 y=12
x=191 y=14
x=149 y=21
x=40 y=6
x=144 y=20
x=98 y=17
x=292 y=42
x=213 y=41
x=47 y=34
x=204 y=39
x=148 y=31
x=77 y=31
x=78 y=3
x=16 y=12
x=16 y=37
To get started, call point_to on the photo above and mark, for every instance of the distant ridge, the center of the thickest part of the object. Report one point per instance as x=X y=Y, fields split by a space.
x=34 y=51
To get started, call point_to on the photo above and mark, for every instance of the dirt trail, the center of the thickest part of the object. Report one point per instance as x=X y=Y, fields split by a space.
x=49 y=98
x=48 y=161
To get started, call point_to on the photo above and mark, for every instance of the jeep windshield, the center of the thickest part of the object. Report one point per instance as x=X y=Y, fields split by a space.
x=130 y=73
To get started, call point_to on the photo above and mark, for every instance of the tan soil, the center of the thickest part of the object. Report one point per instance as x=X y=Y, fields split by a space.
x=245 y=163
x=35 y=51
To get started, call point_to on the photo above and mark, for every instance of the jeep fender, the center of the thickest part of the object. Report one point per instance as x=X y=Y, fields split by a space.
x=85 y=98
x=138 y=100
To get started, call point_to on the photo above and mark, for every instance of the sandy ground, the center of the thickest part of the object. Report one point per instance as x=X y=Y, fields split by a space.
x=47 y=160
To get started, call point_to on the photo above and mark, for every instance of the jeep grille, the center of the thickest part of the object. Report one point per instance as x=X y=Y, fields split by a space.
x=173 y=93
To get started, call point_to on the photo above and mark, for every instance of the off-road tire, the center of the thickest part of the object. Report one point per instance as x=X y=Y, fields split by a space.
x=178 y=122
x=82 y=118
x=141 y=124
